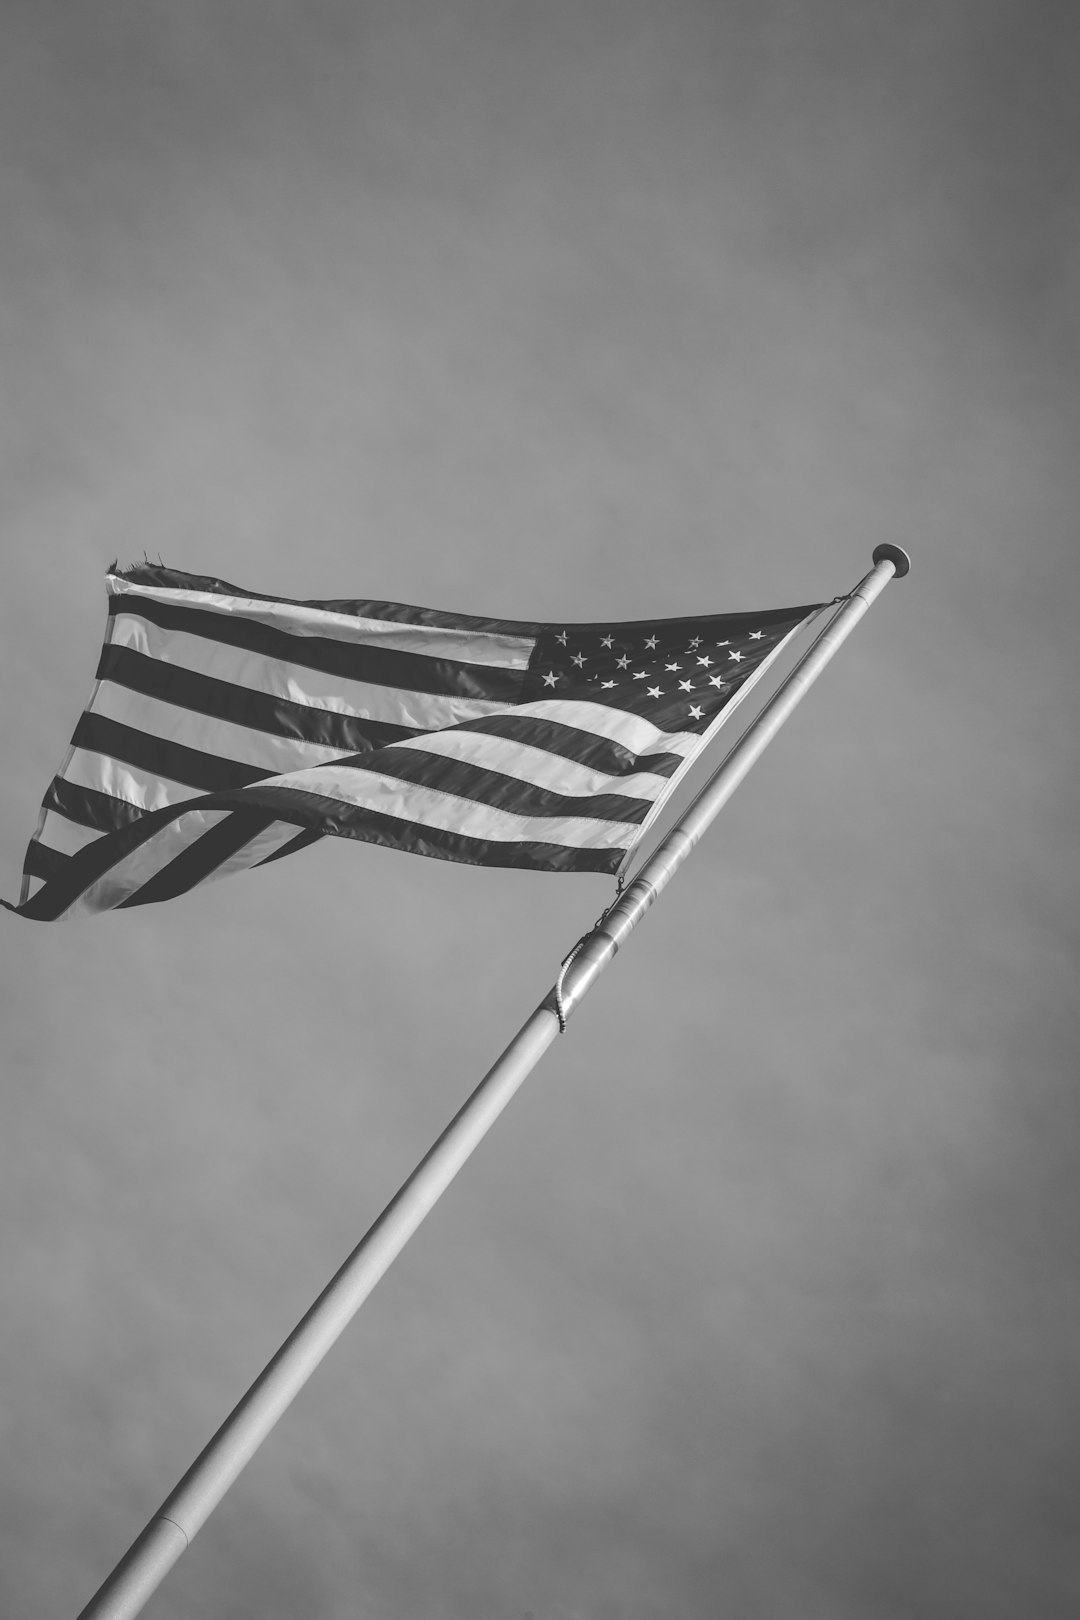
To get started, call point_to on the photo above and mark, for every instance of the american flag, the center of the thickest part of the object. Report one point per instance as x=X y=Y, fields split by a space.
x=226 y=729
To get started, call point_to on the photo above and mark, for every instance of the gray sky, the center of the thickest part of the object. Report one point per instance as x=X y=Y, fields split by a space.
x=762 y=1298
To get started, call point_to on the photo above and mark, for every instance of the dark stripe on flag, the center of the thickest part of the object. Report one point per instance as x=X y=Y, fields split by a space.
x=85 y=867
x=200 y=859
x=89 y=807
x=43 y=862
x=467 y=781
x=352 y=661
x=375 y=827
x=242 y=706
x=583 y=747
x=319 y=816
x=189 y=766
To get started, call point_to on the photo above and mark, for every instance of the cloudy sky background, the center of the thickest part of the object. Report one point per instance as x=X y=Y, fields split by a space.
x=762 y=1299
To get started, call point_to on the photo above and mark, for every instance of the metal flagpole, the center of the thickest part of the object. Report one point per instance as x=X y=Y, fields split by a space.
x=183 y=1513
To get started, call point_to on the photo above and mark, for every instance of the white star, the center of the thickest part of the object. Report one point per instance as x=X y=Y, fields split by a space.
x=756 y=635
x=673 y=666
x=695 y=712
x=579 y=660
x=641 y=674
x=723 y=643
x=606 y=641
x=549 y=678
x=716 y=680
x=561 y=637
x=737 y=656
x=607 y=683
x=654 y=691
x=623 y=662
x=695 y=641
x=651 y=642
x=706 y=660
x=686 y=686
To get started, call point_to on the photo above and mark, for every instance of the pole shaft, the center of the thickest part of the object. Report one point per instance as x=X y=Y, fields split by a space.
x=183 y=1513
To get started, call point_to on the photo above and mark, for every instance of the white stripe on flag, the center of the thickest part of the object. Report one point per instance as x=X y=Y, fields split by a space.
x=495 y=647
x=635 y=733
x=314 y=688
x=147 y=789
x=135 y=869
x=534 y=765
x=128 y=875
x=255 y=850
x=311 y=687
x=450 y=812
x=66 y=837
x=262 y=749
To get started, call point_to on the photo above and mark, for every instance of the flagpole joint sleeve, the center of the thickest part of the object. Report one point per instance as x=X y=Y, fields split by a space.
x=592 y=953
x=556 y=1001
x=601 y=945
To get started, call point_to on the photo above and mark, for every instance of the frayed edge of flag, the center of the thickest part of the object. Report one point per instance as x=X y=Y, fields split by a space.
x=130 y=568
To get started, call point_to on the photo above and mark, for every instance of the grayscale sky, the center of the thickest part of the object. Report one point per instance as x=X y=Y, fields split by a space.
x=762 y=1299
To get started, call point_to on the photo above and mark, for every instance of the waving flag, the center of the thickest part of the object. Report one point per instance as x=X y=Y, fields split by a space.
x=226 y=729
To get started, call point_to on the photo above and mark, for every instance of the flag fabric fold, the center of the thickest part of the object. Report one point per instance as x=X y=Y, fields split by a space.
x=226 y=729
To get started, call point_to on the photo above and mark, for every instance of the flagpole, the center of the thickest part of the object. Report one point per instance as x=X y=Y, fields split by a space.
x=182 y=1514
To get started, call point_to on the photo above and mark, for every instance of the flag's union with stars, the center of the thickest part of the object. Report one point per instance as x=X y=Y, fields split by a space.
x=226 y=729
x=679 y=673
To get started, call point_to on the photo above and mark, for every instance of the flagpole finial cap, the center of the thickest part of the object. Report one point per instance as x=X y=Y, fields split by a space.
x=896 y=555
